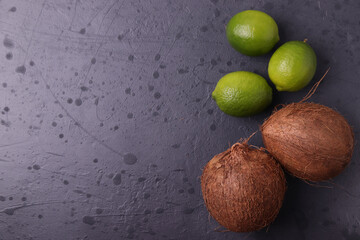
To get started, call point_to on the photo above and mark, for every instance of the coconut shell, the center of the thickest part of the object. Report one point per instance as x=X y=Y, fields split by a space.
x=313 y=142
x=243 y=188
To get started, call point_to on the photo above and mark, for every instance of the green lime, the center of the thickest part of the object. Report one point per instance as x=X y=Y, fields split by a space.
x=292 y=66
x=252 y=32
x=242 y=94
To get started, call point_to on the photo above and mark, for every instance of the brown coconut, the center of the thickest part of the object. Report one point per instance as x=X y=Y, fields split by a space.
x=243 y=188
x=312 y=141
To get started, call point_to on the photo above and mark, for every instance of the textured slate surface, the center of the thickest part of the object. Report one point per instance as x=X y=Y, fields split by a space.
x=107 y=119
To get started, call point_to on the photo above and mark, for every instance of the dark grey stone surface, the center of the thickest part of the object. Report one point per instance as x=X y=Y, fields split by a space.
x=107 y=119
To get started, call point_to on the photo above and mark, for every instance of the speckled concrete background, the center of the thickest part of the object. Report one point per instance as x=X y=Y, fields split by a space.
x=107 y=120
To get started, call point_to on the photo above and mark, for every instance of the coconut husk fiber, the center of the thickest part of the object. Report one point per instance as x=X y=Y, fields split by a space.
x=311 y=141
x=243 y=188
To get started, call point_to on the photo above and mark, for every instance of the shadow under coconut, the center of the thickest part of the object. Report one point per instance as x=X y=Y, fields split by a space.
x=292 y=220
x=306 y=214
x=308 y=211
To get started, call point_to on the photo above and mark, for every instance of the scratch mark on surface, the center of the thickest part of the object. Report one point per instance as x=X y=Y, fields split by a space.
x=176 y=38
x=97 y=113
x=146 y=213
x=96 y=14
x=11 y=210
x=105 y=15
x=55 y=154
x=13 y=144
x=73 y=18
x=226 y=13
x=103 y=42
x=161 y=46
x=142 y=43
x=76 y=122
x=32 y=31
